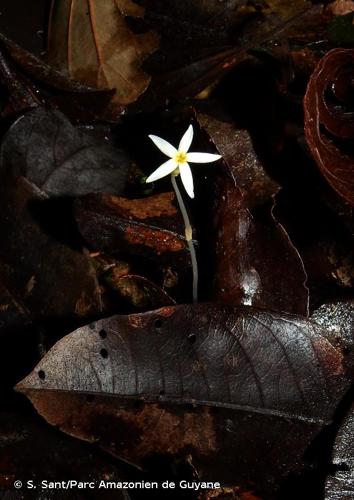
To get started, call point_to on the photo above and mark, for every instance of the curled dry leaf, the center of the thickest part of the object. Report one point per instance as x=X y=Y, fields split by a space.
x=329 y=126
x=223 y=388
x=91 y=42
x=48 y=150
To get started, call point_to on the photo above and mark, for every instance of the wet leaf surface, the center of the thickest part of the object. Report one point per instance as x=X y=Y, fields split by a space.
x=245 y=241
x=49 y=151
x=283 y=374
x=245 y=168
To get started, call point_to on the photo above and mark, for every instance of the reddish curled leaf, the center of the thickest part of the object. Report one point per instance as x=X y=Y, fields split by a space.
x=328 y=126
x=259 y=382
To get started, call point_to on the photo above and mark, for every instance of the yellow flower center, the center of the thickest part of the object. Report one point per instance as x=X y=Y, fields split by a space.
x=181 y=158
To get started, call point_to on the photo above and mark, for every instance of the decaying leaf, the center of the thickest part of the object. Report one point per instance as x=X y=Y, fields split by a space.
x=329 y=125
x=91 y=41
x=49 y=151
x=204 y=383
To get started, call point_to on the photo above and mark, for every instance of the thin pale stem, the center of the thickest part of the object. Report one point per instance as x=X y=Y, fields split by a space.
x=189 y=237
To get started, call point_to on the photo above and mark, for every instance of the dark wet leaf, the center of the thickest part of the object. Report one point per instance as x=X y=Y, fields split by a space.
x=340 y=486
x=149 y=226
x=44 y=275
x=329 y=122
x=48 y=150
x=91 y=42
x=256 y=381
x=256 y=262
x=245 y=167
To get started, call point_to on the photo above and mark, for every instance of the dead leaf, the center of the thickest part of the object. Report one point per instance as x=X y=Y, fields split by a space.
x=329 y=126
x=246 y=169
x=149 y=226
x=91 y=42
x=61 y=160
x=198 y=383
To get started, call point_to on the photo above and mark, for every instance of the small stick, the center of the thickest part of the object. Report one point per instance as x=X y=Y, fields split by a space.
x=189 y=237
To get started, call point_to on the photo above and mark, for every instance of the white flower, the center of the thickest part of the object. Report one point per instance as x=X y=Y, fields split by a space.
x=179 y=160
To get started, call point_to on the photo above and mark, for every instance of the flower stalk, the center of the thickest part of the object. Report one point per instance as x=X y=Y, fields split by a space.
x=189 y=237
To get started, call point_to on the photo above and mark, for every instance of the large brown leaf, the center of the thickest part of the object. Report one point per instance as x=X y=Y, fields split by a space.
x=329 y=124
x=91 y=41
x=256 y=262
x=256 y=381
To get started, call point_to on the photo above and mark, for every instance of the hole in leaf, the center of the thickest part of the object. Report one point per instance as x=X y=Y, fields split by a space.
x=41 y=374
x=104 y=353
x=192 y=338
x=158 y=323
x=103 y=334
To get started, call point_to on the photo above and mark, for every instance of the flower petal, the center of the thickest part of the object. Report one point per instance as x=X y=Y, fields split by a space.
x=202 y=157
x=164 y=146
x=187 y=178
x=162 y=171
x=186 y=140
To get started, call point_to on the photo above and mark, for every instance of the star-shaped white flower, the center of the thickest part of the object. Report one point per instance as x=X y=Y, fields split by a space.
x=179 y=160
